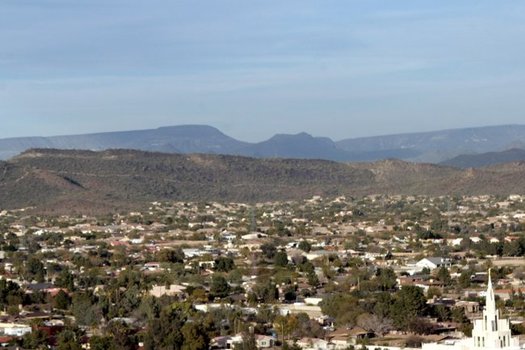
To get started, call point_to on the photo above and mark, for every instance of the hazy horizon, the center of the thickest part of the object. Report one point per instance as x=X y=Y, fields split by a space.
x=339 y=69
x=271 y=135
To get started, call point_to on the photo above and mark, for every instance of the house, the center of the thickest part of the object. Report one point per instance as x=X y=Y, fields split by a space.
x=342 y=338
x=151 y=266
x=357 y=334
x=14 y=329
x=171 y=290
x=470 y=307
x=264 y=341
x=5 y=340
x=433 y=263
x=313 y=344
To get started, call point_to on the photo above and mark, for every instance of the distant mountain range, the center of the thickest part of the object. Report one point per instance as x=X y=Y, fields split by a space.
x=175 y=139
x=438 y=146
x=486 y=159
x=85 y=181
x=433 y=147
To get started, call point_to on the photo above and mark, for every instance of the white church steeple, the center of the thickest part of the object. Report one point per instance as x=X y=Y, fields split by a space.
x=491 y=332
x=490 y=300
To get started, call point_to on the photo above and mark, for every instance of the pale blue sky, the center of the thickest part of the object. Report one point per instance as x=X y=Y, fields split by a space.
x=253 y=68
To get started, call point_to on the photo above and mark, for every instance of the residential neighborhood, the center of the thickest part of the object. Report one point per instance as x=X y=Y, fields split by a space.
x=376 y=272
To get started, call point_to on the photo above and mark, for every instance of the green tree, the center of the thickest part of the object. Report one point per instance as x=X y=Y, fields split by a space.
x=224 y=264
x=195 y=336
x=305 y=246
x=219 y=287
x=343 y=307
x=464 y=279
x=443 y=276
x=281 y=259
x=409 y=304
x=386 y=279
x=68 y=340
x=164 y=332
x=34 y=270
x=264 y=291
x=37 y=339
x=85 y=310
x=269 y=250
x=100 y=343
x=65 y=280
x=61 y=301
x=10 y=293
x=171 y=255
x=122 y=336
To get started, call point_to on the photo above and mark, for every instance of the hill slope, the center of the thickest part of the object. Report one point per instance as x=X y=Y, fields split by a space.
x=86 y=180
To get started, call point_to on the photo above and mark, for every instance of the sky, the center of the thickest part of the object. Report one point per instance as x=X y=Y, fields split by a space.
x=336 y=68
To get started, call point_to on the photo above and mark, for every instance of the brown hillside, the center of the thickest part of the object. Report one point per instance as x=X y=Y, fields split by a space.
x=109 y=180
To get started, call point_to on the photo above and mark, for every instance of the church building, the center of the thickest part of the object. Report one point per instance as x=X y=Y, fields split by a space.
x=491 y=332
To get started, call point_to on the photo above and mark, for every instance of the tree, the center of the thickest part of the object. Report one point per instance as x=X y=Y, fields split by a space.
x=290 y=294
x=419 y=325
x=164 y=332
x=513 y=248
x=286 y=325
x=195 y=336
x=219 y=287
x=62 y=300
x=37 y=339
x=313 y=280
x=171 y=255
x=458 y=315
x=10 y=293
x=383 y=305
x=34 y=270
x=386 y=279
x=67 y=340
x=84 y=309
x=65 y=280
x=343 y=307
x=441 y=312
x=409 y=304
x=443 y=276
x=248 y=342
x=373 y=323
x=305 y=246
x=265 y=291
x=122 y=336
x=269 y=250
x=307 y=327
x=224 y=264
x=464 y=279
x=100 y=343
x=281 y=259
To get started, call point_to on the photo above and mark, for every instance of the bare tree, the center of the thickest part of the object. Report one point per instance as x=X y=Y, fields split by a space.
x=376 y=324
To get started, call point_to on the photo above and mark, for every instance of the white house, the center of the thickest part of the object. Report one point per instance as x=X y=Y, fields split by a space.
x=171 y=290
x=15 y=329
x=433 y=262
